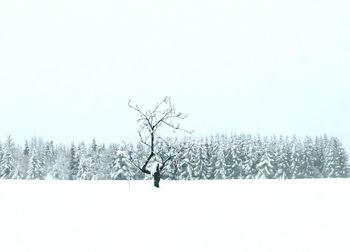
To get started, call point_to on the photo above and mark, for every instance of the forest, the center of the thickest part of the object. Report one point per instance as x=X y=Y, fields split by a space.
x=215 y=157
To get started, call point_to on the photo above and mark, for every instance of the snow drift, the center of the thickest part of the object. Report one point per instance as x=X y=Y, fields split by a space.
x=228 y=215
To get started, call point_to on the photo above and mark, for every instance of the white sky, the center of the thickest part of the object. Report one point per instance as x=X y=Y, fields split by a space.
x=68 y=67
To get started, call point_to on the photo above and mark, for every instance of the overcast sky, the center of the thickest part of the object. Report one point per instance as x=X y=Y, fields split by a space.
x=68 y=67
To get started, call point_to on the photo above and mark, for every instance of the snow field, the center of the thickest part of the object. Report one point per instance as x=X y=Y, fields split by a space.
x=227 y=215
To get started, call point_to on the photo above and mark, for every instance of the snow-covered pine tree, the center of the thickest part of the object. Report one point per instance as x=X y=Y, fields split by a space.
x=229 y=162
x=10 y=144
x=60 y=168
x=121 y=169
x=172 y=172
x=347 y=167
x=73 y=162
x=308 y=159
x=342 y=160
x=183 y=162
x=265 y=167
x=272 y=144
x=282 y=159
x=81 y=150
x=100 y=163
x=208 y=157
x=296 y=162
x=38 y=144
x=84 y=168
x=320 y=154
x=35 y=169
x=201 y=166
x=336 y=160
x=247 y=166
x=257 y=146
x=93 y=146
x=250 y=156
x=49 y=157
x=237 y=163
x=26 y=149
x=192 y=157
x=50 y=153
x=117 y=171
x=7 y=166
x=95 y=153
x=22 y=161
x=108 y=160
x=213 y=147
x=238 y=154
x=219 y=165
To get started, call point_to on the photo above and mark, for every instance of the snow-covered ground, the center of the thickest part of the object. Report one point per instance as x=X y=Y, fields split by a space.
x=235 y=216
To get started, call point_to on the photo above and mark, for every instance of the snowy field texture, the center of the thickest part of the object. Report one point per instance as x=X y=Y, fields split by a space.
x=231 y=215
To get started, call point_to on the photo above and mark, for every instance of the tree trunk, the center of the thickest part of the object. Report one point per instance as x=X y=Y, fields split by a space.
x=156 y=177
x=156 y=182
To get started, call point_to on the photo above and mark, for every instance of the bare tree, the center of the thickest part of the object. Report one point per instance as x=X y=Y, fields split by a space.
x=162 y=115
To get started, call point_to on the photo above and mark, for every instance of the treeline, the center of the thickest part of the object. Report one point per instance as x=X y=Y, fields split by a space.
x=219 y=157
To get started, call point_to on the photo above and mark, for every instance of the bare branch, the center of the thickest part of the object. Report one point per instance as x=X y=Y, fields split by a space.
x=164 y=101
x=164 y=113
x=177 y=127
x=142 y=140
x=143 y=115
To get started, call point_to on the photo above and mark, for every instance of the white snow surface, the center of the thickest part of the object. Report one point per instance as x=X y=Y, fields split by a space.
x=228 y=215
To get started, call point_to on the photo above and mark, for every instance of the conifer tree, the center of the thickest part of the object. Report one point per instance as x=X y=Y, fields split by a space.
x=173 y=171
x=201 y=166
x=219 y=166
x=50 y=153
x=93 y=146
x=282 y=160
x=84 y=168
x=73 y=162
x=265 y=167
x=229 y=163
x=35 y=170
x=295 y=163
x=7 y=166
x=308 y=159
x=60 y=168
x=239 y=157
x=120 y=167
x=249 y=158
x=185 y=170
x=99 y=163
x=213 y=148
x=320 y=154
x=208 y=156
x=236 y=164
x=192 y=157
x=26 y=148
x=336 y=160
x=342 y=161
